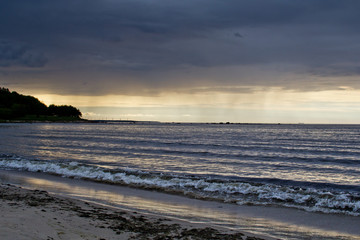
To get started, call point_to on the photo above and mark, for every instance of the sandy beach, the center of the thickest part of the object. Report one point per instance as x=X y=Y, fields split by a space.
x=34 y=214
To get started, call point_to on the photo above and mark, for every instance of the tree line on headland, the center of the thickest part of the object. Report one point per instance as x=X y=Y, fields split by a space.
x=15 y=106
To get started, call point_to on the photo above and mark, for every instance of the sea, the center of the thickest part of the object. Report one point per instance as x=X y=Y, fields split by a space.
x=310 y=168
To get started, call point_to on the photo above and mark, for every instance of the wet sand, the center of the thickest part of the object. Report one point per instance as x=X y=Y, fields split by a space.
x=262 y=221
x=34 y=214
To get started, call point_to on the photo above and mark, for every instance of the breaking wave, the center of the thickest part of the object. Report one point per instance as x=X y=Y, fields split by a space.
x=208 y=188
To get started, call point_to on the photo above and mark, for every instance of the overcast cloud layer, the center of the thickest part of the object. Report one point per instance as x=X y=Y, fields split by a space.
x=143 y=47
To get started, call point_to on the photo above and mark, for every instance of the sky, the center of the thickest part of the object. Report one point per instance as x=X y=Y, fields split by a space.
x=257 y=61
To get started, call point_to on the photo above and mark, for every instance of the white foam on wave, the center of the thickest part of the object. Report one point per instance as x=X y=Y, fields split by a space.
x=237 y=192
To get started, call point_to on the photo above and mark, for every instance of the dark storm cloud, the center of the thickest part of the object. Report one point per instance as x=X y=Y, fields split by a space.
x=143 y=41
x=15 y=54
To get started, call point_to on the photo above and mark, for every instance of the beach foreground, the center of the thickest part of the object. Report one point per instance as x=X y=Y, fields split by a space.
x=34 y=214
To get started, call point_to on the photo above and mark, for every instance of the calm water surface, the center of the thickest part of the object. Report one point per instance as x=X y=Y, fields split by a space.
x=309 y=167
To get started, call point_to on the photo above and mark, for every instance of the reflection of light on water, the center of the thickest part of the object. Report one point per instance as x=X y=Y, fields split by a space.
x=195 y=211
x=265 y=152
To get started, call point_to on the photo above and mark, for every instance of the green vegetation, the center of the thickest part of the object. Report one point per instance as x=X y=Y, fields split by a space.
x=15 y=106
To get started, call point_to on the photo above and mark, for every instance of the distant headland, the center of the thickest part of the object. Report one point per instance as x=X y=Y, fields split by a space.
x=17 y=107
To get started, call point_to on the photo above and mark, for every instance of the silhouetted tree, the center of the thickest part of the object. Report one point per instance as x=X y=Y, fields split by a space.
x=64 y=111
x=15 y=106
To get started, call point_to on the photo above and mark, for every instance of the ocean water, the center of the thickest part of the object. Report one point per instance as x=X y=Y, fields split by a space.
x=314 y=168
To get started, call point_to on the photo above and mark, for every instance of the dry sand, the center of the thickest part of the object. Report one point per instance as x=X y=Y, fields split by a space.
x=34 y=214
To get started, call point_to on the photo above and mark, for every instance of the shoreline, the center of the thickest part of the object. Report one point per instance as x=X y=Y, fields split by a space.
x=37 y=214
x=176 y=123
x=45 y=121
x=265 y=222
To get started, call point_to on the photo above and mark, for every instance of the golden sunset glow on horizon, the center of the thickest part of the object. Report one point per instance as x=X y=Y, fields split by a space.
x=290 y=106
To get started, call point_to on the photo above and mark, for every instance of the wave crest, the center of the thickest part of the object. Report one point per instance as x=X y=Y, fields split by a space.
x=239 y=192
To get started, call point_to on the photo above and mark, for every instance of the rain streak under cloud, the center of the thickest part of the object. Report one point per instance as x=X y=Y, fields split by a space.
x=253 y=61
